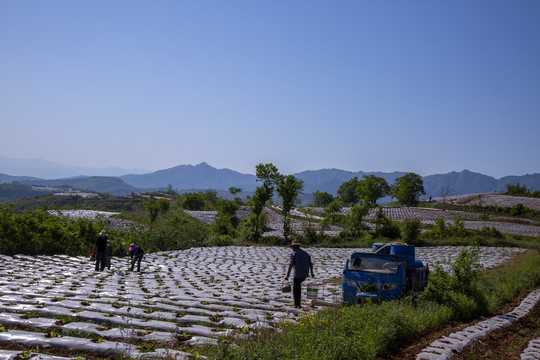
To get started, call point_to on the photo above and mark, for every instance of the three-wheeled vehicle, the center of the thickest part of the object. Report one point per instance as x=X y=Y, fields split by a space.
x=385 y=273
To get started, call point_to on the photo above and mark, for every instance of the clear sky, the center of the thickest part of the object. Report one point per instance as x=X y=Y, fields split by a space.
x=424 y=86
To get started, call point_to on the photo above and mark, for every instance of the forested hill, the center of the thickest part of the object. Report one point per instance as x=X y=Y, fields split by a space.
x=204 y=176
x=201 y=176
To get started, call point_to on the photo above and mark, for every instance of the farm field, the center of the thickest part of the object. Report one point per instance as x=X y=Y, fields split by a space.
x=180 y=300
x=425 y=215
x=492 y=199
x=274 y=220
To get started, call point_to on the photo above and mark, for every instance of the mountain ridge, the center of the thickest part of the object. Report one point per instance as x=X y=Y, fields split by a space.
x=329 y=180
x=204 y=176
x=50 y=170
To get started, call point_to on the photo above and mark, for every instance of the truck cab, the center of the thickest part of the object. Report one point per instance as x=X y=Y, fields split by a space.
x=385 y=273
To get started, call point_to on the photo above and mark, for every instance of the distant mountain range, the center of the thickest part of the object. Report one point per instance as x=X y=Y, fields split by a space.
x=203 y=176
x=45 y=169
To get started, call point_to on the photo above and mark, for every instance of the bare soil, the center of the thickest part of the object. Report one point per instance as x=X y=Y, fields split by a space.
x=506 y=343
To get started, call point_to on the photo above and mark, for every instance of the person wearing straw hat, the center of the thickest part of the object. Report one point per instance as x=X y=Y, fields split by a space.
x=100 y=247
x=300 y=260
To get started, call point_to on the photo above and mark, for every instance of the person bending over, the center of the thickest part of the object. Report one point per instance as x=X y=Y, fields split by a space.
x=136 y=253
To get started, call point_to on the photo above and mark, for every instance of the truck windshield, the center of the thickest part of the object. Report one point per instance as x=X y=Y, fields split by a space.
x=374 y=265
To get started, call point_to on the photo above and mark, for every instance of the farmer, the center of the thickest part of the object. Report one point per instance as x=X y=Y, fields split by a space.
x=108 y=255
x=100 y=248
x=301 y=261
x=136 y=253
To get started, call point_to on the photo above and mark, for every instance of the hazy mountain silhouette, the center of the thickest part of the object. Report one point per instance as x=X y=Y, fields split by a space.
x=45 y=169
x=201 y=176
x=204 y=176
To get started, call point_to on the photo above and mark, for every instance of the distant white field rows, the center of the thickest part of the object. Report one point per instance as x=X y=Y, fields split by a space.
x=426 y=216
x=494 y=199
x=274 y=220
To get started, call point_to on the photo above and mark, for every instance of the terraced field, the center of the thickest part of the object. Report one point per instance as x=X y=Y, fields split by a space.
x=274 y=220
x=492 y=199
x=61 y=308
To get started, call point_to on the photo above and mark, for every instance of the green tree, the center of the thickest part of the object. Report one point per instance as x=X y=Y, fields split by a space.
x=152 y=206
x=193 y=201
x=211 y=198
x=517 y=190
x=258 y=202
x=226 y=221
x=357 y=216
x=384 y=227
x=371 y=188
x=170 y=190
x=408 y=188
x=288 y=189
x=440 y=230
x=233 y=191
x=164 y=205
x=346 y=192
x=321 y=199
x=410 y=230
x=270 y=176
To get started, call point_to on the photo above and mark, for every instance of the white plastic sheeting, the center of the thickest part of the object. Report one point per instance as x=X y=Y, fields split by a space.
x=181 y=298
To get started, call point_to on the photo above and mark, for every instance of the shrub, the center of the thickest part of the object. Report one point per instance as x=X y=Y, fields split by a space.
x=226 y=221
x=38 y=233
x=517 y=190
x=459 y=290
x=517 y=210
x=249 y=227
x=221 y=240
x=439 y=230
x=194 y=202
x=308 y=236
x=384 y=227
x=410 y=230
x=458 y=228
x=490 y=232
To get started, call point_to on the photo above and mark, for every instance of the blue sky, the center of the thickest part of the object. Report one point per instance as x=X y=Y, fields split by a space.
x=423 y=86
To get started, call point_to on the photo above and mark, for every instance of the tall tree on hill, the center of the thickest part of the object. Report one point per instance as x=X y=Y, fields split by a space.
x=154 y=207
x=233 y=191
x=288 y=189
x=258 y=202
x=371 y=188
x=408 y=188
x=270 y=176
x=446 y=191
x=517 y=190
x=321 y=199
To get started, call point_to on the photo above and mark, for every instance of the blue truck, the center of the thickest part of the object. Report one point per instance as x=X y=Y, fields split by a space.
x=387 y=272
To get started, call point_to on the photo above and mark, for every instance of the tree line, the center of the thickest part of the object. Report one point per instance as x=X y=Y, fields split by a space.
x=166 y=226
x=406 y=189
